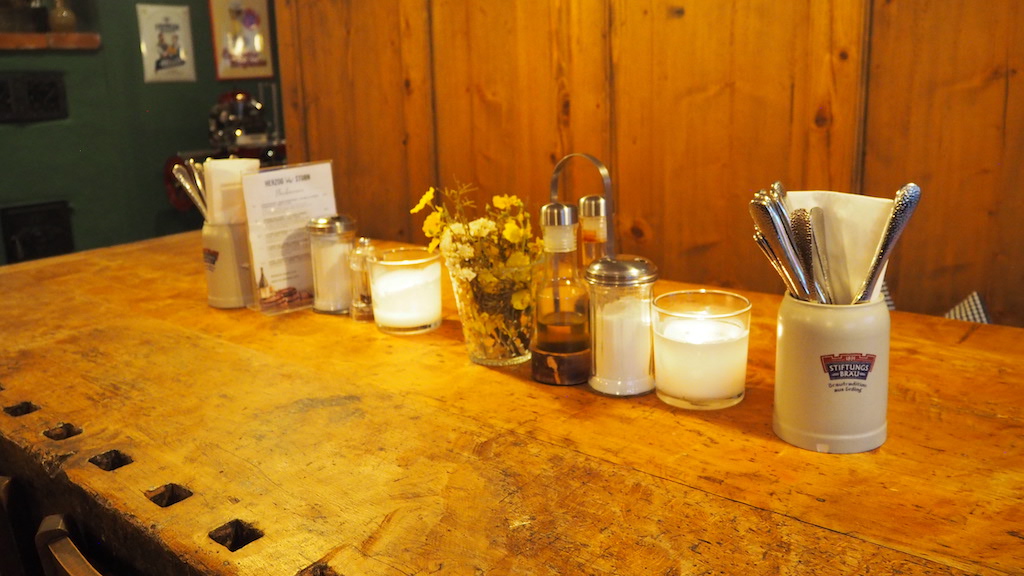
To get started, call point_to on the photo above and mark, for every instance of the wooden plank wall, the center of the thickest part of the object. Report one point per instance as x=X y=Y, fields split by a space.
x=693 y=105
x=946 y=110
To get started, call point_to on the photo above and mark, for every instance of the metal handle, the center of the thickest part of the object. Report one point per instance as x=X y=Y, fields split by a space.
x=606 y=177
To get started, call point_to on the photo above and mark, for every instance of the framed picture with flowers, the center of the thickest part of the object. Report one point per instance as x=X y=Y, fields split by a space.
x=241 y=39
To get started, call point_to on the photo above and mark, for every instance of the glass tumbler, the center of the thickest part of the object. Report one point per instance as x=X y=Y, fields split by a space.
x=700 y=348
x=406 y=290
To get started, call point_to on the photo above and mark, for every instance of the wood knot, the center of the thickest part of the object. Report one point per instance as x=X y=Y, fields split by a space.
x=823 y=118
x=640 y=230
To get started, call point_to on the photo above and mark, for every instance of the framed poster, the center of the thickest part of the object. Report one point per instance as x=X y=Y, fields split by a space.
x=241 y=39
x=165 y=39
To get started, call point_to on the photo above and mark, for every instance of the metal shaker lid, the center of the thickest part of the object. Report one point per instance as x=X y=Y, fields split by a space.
x=558 y=214
x=622 y=270
x=337 y=224
x=593 y=207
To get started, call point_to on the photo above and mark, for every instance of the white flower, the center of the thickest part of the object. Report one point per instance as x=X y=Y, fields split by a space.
x=457 y=229
x=467 y=274
x=482 y=227
x=465 y=251
x=446 y=241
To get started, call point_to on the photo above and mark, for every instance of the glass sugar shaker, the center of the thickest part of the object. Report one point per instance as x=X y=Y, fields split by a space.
x=362 y=300
x=622 y=345
x=331 y=240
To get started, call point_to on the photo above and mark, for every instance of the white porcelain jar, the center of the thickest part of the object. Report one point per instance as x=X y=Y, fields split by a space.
x=832 y=375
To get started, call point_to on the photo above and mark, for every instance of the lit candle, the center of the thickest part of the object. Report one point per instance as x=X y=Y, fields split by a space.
x=406 y=294
x=700 y=360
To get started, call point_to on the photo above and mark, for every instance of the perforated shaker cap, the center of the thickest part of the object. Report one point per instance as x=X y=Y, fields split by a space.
x=338 y=224
x=622 y=270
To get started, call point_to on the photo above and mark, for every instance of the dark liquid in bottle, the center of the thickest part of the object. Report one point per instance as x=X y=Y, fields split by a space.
x=561 y=349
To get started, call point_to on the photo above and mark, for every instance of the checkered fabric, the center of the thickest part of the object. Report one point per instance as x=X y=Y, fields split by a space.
x=889 y=302
x=971 y=309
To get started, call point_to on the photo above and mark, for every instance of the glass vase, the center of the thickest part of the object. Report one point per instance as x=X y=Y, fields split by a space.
x=496 y=311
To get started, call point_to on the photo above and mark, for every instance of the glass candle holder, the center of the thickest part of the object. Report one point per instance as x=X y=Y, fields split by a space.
x=700 y=348
x=406 y=290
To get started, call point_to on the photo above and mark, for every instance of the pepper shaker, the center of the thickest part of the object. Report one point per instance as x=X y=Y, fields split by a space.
x=362 y=300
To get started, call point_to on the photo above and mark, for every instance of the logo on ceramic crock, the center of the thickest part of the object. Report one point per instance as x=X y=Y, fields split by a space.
x=848 y=366
x=210 y=257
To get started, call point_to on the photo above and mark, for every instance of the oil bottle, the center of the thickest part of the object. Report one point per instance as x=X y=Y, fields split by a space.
x=560 y=344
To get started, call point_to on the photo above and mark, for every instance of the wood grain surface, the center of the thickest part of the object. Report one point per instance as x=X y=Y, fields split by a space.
x=694 y=106
x=348 y=451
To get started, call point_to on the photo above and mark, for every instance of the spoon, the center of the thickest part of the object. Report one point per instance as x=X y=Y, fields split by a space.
x=822 y=272
x=776 y=233
x=199 y=176
x=189 y=185
x=903 y=207
x=762 y=243
x=810 y=259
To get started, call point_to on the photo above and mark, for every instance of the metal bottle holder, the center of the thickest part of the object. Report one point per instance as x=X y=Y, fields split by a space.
x=621 y=288
x=606 y=178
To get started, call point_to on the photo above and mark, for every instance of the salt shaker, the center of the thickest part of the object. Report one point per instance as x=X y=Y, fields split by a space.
x=622 y=345
x=331 y=241
x=362 y=301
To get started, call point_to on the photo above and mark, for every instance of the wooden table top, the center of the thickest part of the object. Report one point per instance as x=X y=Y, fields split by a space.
x=348 y=451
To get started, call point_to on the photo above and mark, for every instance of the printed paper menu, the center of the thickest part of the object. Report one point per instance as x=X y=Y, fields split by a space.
x=278 y=204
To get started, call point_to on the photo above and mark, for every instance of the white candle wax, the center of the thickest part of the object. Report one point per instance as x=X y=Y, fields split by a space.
x=622 y=354
x=700 y=360
x=407 y=298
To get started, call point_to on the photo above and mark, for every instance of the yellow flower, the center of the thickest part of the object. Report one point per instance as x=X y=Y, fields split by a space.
x=428 y=198
x=518 y=259
x=432 y=224
x=512 y=232
x=500 y=202
x=521 y=299
x=487 y=278
x=504 y=202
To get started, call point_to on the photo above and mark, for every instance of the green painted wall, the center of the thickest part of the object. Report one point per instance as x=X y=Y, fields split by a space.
x=107 y=157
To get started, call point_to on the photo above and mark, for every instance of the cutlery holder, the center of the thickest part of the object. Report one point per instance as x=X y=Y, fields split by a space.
x=228 y=270
x=832 y=375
